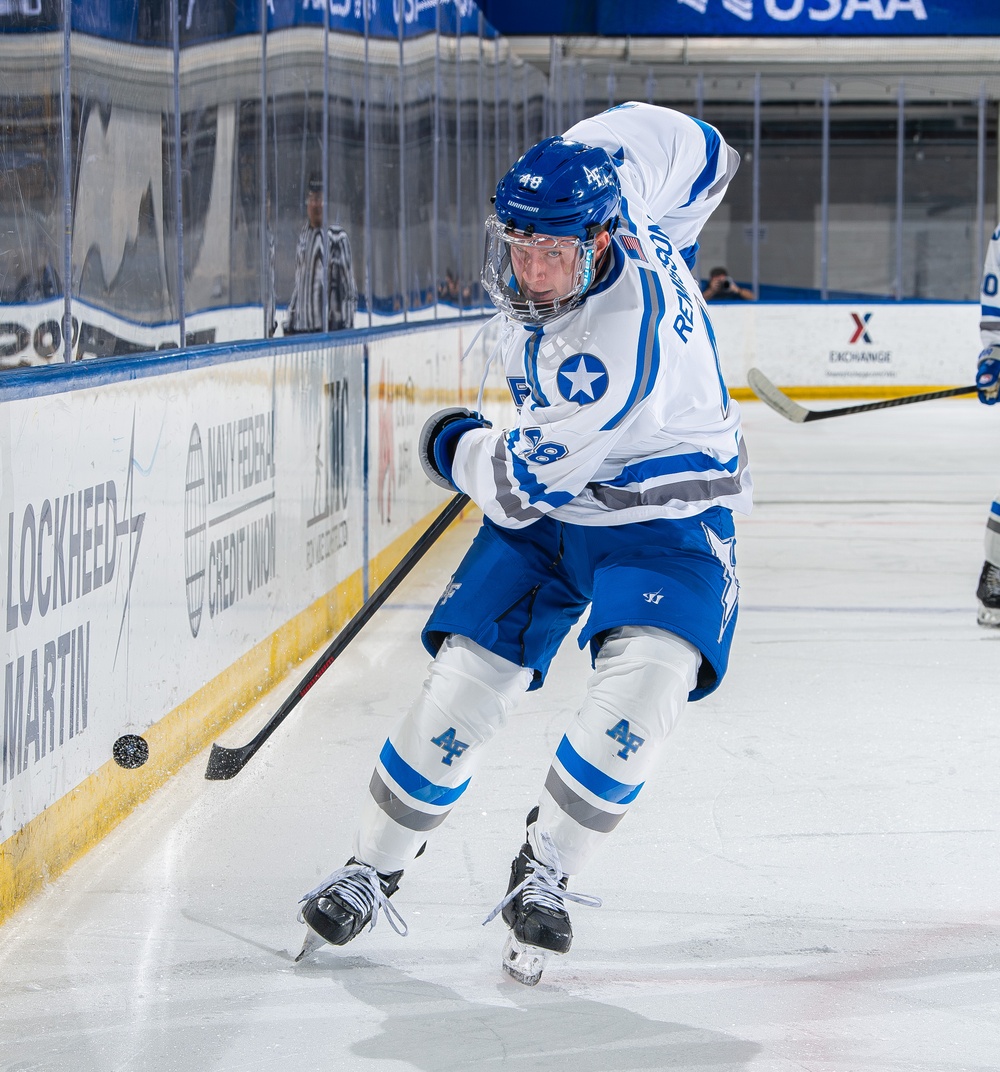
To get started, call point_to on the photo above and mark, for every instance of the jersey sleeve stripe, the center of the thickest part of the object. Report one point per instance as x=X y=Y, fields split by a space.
x=649 y=468
x=507 y=500
x=691 y=489
x=528 y=482
x=707 y=176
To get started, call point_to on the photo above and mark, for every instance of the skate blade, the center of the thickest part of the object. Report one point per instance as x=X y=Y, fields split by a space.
x=311 y=943
x=988 y=617
x=522 y=962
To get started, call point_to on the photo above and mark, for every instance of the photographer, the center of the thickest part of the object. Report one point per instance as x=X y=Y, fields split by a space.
x=722 y=287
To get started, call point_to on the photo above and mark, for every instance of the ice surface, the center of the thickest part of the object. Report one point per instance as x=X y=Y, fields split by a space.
x=809 y=883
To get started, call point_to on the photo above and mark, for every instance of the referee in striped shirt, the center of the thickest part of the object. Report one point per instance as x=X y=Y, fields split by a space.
x=305 y=309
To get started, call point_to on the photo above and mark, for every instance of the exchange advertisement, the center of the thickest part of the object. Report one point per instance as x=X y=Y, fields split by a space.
x=842 y=345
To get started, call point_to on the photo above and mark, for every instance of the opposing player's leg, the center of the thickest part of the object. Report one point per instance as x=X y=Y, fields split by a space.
x=988 y=589
x=423 y=769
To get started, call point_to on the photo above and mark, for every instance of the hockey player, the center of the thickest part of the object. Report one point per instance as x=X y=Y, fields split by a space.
x=614 y=490
x=988 y=382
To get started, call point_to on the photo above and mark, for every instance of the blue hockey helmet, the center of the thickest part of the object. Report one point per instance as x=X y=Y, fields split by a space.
x=560 y=187
x=557 y=198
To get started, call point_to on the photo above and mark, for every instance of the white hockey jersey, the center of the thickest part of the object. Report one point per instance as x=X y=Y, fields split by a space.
x=624 y=415
x=989 y=298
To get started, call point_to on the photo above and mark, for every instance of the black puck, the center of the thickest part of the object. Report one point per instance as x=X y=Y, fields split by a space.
x=130 y=751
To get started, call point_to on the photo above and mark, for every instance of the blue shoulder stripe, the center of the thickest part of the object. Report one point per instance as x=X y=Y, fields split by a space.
x=414 y=783
x=713 y=143
x=599 y=783
x=718 y=363
x=995 y=509
x=531 y=348
x=991 y=310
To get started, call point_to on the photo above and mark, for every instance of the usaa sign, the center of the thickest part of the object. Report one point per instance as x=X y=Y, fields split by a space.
x=753 y=18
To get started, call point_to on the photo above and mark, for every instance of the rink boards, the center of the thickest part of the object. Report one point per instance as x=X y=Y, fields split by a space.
x=837 y=345
x=177 y=532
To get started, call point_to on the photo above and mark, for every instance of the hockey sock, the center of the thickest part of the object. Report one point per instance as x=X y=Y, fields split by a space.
x=635 y=696
x=428 y=760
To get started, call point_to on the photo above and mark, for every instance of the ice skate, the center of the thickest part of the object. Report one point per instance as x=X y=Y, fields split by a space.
x=534 y=910
x=988 y=594
x=344 y=902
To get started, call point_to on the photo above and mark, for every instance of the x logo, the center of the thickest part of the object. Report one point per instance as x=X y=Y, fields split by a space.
x=861 y=327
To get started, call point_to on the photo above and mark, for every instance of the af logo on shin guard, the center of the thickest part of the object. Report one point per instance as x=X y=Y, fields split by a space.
x=623 y=735
x=451 y=745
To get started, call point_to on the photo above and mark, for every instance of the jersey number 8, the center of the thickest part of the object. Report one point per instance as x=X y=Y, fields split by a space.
x=547 y=452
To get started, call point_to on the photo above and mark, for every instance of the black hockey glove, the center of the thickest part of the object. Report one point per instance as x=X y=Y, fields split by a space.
x=439 y=438
x=988 y=375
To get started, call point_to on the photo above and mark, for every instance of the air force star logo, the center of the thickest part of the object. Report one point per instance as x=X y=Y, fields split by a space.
x=582 y=378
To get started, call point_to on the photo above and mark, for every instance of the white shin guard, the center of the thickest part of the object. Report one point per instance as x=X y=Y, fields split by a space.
x=635 y=697
x=430 y=757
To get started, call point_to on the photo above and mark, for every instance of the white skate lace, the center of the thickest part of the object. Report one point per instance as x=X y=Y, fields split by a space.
x=541 y=886
x=358 y=886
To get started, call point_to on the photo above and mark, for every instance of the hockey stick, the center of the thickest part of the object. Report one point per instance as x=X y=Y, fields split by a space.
x=225 y=763
x=777 y=400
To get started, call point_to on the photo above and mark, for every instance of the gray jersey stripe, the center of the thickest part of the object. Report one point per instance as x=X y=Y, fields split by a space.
x=993 y=524
x=656 y=310
x=400 y=812
x=507 y=500
x=694 y=490
x=577 y=808
x=648 y=344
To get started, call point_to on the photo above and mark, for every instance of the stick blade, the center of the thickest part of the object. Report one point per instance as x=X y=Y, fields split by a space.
x=779 y=402
x=225 y=763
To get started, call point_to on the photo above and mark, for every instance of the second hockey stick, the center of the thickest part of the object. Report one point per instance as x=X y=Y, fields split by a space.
x=781 y=403
x=226 y=763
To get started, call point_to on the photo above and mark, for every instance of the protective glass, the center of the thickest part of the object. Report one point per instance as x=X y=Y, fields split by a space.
x=534 y=278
